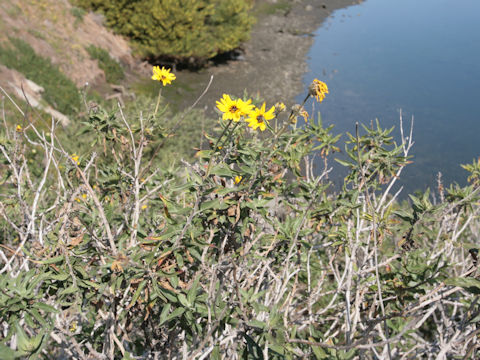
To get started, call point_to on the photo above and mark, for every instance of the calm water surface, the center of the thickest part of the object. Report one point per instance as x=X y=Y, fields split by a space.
x=421 y=56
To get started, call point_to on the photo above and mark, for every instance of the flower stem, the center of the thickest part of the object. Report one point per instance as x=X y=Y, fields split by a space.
x=215 y=149
x=158 y=102
x=230 y=134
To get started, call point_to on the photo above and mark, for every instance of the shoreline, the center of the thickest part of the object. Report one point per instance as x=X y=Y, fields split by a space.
x=273 y=62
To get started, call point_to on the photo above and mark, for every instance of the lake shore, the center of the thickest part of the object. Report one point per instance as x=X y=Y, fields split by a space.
x=273 y=62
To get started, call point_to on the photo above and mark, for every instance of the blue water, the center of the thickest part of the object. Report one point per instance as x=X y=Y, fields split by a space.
x=421 y=56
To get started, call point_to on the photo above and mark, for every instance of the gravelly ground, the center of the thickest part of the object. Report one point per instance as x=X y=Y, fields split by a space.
x=274 y=60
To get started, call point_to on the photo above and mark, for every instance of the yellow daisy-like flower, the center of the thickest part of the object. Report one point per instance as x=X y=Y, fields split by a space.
x=318 y=89
x=163 y=75
x=258 y=117
x=19 y=128
x=245 y=106
x=237 y=180
x=233 y=109
x=75 y=158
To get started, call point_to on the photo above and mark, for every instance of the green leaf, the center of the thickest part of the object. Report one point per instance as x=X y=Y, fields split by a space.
x=135 y=297
x=60 y=277
x=28 y=346
x=217 y=204
x=53 y=260
x=470 y=284
x=258 y=324
x=88 y=284
x=38 y=317
x=179 y=259
x=69 y=290
x=164 y=313
x=175 y=313
x=222 y=170
x=169 y=295
x=7 y=353
x=183 y=300
x=192 y=292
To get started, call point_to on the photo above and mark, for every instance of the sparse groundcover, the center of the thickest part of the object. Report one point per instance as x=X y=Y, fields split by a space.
x=113 y=70
x=78 y=13
x=59 y=91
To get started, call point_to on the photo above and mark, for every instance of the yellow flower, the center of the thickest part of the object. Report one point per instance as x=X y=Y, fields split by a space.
x=163 y=75
x=73 y=326
x=245 y=106
x=318 y=89
x=233 y=109
x=74 y=158
x=19 y=128
x=84 y=196
x=144 y=207
x=238 y=179
x=259 y=117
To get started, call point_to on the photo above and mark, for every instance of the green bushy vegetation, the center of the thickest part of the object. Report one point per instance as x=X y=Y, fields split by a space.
x=78 y=13
x=198 y=29
x=59 y=90
x=243 y=252
x=112 y=69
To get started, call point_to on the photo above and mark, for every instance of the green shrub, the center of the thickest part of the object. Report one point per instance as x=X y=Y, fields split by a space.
x=199 y=29
x=112 y=69
x=243 y=253
x=78 y=13
x=59 y=90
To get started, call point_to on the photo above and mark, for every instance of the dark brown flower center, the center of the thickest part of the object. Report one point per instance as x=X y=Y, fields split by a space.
x=260 y=118
x=233 y=109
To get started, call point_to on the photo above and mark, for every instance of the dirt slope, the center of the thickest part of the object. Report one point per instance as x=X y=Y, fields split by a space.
x=58 y=31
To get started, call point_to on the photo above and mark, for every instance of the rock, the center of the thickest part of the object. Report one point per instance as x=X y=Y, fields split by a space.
x=37 y=89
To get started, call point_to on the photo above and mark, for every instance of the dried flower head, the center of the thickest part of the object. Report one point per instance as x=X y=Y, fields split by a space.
x=318 y=89
x=279 y=108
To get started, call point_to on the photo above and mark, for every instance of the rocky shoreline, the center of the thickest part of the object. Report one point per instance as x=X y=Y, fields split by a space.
x=273 y=61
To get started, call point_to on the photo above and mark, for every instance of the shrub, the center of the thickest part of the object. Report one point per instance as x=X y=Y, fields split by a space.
x=59 y=90
x=179 y=30
x=78 y=13
x=244 y=253
x=112 y=69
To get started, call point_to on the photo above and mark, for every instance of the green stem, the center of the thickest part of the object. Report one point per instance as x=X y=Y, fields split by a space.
x=231 y=133
x=293 y=113
x=215 y=149
x=158 y=102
